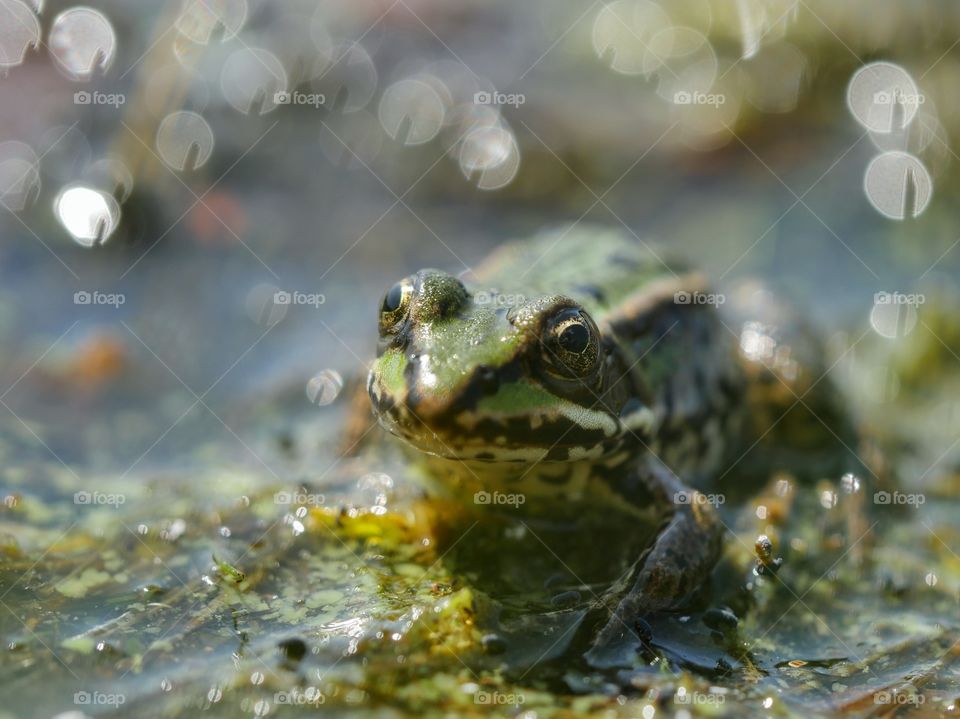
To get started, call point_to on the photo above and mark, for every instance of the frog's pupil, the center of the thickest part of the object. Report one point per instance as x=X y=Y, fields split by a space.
x=393 y=298
x=574 y=338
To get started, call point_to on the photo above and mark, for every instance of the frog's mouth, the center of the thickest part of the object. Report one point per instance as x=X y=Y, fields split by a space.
x=520 y=423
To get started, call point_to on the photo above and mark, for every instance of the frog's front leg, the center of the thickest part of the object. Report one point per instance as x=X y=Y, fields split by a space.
x=667 y=573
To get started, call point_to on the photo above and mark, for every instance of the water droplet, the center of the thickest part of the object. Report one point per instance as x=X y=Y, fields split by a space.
x=200 y=20
x=90 y=216
x=883 y=97
x=323 y=388
x=184 y=140
x=252 y=79
x=411 y=111
x=893 y=320
x=490 y=156
x=166 y=685
x=82 y=40
x=828 y=499
x=898 y=185
x=931 y=579
x=376 y=482
x=19 y=30
x=256 y=678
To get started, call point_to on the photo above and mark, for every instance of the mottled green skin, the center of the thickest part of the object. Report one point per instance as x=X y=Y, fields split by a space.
x=481 y=374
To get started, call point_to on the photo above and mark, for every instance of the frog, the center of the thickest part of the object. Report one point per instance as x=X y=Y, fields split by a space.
x=582 y=366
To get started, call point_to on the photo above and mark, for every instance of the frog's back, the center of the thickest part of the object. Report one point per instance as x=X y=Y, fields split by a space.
x=599 y=267
x=681 y=358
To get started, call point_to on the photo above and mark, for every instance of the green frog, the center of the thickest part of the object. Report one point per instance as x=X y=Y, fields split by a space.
x=578 y=367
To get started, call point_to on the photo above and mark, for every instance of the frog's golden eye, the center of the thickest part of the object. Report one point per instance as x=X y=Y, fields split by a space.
x=571 y=343
x=394 y=305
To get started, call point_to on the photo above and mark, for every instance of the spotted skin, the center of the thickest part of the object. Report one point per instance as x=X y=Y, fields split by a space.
x=564 y=365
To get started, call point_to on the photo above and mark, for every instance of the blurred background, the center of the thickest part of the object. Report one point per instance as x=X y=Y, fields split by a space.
x=203 y=202
x=177 y=164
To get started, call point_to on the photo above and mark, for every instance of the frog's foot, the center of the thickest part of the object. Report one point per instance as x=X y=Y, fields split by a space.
x=666 y=574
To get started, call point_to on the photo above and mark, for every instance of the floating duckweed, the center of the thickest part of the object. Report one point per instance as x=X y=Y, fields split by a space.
x=228 y=570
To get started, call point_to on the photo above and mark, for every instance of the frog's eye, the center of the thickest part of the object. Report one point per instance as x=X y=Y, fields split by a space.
x=393 y=307
x=571 y=343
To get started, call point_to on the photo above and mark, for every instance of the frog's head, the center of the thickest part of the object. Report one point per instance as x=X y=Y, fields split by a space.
x=459 y=376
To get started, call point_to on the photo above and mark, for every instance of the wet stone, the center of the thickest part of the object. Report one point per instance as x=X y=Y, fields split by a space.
x=721 y=619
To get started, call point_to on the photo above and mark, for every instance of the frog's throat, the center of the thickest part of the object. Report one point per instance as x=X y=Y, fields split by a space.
x=516 y=485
